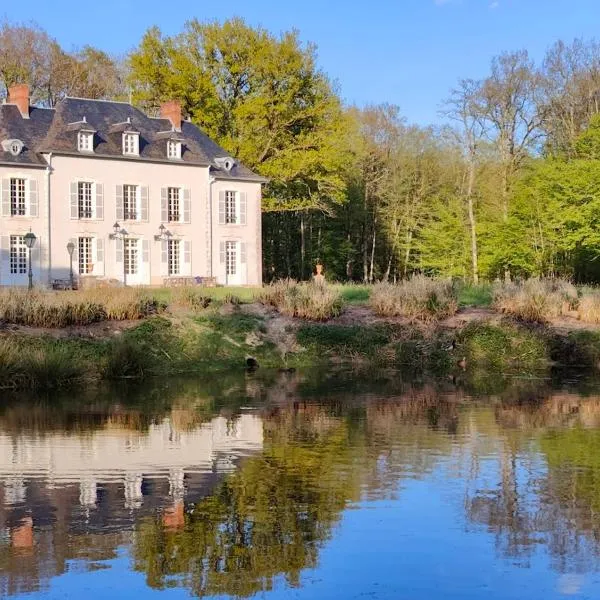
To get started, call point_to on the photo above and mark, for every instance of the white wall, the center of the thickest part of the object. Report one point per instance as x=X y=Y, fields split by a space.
x=56 y=231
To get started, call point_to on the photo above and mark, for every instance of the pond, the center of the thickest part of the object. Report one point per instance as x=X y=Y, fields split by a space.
x=303 y=485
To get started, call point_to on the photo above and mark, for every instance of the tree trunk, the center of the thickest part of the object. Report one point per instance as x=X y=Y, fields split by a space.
x=505 y=210
x=349 y=257
x=373 y=250
x=302 y=246
x=409 y=236
x=388 y=270
x=472 y=223
x=364 y=236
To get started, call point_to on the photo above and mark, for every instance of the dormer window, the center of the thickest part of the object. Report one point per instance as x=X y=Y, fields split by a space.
x=131 y=144
x=85 y=141
x=15 y=147
x=173 y=149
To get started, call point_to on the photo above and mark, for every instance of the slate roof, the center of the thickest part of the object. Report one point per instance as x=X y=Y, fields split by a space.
x=55 y=130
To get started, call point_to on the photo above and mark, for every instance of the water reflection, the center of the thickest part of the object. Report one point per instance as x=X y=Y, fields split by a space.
x=232 y=487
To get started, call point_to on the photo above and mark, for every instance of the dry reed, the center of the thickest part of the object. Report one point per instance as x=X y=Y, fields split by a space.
x=311 y=301
x=422 y=298
x=535 y=300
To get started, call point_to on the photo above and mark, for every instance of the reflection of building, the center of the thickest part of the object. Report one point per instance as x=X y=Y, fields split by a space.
x=65 y=496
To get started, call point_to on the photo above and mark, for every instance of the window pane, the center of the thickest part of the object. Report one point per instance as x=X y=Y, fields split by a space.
x=174 y=256
x=130 y=209
x=84 y=193
x=173 y=197
x=231 y=258
x=230 y=207
x=18 y=255
x=85 y=255
x=17 y=197
x=131 y=256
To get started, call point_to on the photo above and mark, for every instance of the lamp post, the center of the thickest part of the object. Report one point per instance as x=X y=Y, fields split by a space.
x=119 y=233
x=29 y=239
x=70 y=250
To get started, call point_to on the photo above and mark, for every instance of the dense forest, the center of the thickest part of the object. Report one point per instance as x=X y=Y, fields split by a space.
x=508 y=185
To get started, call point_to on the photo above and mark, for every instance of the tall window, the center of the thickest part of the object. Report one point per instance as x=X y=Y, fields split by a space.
x=173 y=197
x=173 y=149
x=85 y=141
x=230 y=208
x=18 y=206
x=84 y=199
x=131 y=256
x=18 y=255
x=231 y=258
x=174 y=256
x=130 y=203
x=131 y=143
x=85 y=255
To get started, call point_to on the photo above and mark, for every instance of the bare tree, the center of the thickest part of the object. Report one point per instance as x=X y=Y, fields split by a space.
x=509 y=103
x=571 y=92
x=465 y=110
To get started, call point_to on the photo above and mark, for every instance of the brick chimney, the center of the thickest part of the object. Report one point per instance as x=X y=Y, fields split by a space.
x=172 y=110
x=19 y=94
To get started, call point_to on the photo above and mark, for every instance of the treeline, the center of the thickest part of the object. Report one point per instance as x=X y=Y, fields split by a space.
x=506 y=186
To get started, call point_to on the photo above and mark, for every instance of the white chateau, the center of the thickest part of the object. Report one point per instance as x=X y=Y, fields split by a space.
x=138 y=200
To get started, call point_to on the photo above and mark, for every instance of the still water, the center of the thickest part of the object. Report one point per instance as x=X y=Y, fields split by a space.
x=279 y=485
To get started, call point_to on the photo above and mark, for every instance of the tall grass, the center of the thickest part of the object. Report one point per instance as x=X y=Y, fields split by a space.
x=535 y=300
x=311 y=301
x=44 y=369
x=421 y=298
x=64 y=309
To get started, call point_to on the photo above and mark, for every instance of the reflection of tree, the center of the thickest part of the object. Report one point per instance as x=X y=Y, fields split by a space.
x=555 y=503
x=270 y=518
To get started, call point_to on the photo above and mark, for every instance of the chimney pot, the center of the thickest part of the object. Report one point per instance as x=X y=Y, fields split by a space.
x=19 y=94
x=172 y=110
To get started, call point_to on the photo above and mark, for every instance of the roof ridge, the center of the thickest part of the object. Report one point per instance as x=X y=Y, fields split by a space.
x=99 y=100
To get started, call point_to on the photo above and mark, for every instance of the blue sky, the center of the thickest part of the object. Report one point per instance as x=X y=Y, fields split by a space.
x=406 y=52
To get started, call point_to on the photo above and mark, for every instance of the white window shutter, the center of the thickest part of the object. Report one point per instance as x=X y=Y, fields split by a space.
x=36 y=256
x=119 y=199
x=6 y=197
x=243 y=253
x=164 y=205
x=144 y=202
x=99 y=204
x=119 y=252
x=243 y=208
x=222 y=252
x=187 y=205
x=32 y=193
x=74 y=200
x=99 y=262
x=221 y=208
x=164 y=257
x=187 y=256
x=5 y=262
x=146 y=251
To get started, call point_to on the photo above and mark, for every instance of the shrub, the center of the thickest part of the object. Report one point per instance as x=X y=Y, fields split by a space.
x=419 y=297
x=64 y=309
x=311 y=301
x=126 y=358
x=190 y=298
x=588 y=307
x=48 y=368
x=536 y=300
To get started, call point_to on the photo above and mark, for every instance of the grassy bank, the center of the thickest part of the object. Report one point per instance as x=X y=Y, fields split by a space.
x=214 y=340
x=198 y=331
